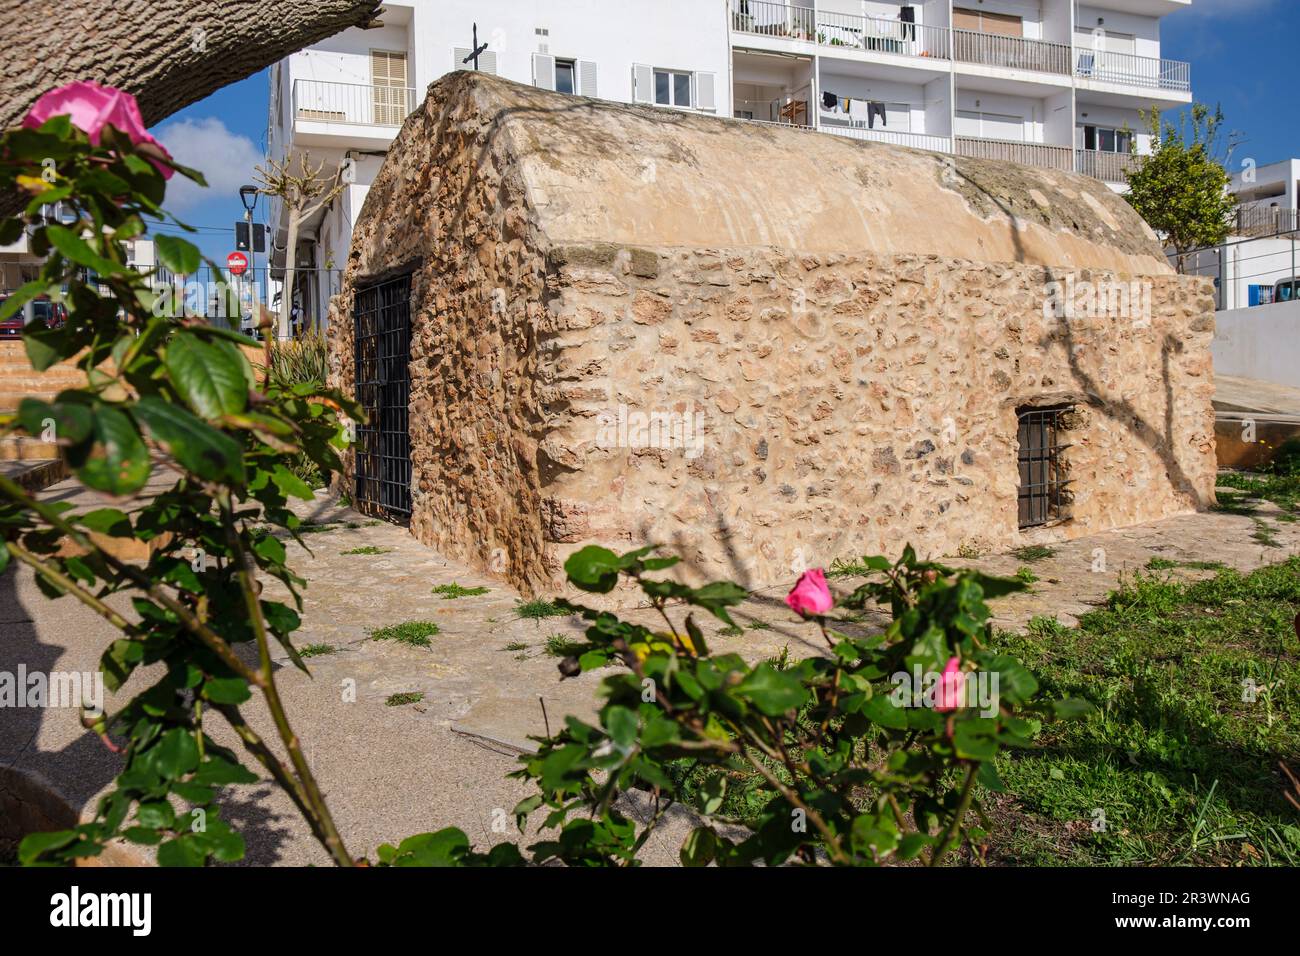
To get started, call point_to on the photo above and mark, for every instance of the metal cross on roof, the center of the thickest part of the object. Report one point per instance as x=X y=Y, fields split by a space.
x=476 y=50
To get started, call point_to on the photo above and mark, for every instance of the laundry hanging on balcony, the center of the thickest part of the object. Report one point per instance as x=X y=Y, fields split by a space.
x=860 y=111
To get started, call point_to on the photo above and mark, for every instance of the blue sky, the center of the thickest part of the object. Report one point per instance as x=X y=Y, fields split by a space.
x=1242 y=53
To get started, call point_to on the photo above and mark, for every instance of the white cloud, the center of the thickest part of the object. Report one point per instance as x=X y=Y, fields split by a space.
x=226 y=160
x=1221 y=8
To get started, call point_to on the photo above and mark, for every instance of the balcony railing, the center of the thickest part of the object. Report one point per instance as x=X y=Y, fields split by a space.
x=1108 y=167
x=1130 y=70
x=789 y=110
x=1257 y=221
x=1031 y=154
x=1014 y=53
x=936 y=144
x=319 y=101
x=850 y=31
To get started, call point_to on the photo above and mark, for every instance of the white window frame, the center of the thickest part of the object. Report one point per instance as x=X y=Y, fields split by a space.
x=673 y=75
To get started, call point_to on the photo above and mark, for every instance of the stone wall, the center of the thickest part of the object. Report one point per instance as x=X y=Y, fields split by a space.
x=850 y=405
x=817 y=392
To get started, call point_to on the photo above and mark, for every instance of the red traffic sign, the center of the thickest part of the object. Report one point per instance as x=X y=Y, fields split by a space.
x=237 y=263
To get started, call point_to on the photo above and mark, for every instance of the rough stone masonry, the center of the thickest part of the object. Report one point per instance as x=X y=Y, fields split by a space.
x=763 y=347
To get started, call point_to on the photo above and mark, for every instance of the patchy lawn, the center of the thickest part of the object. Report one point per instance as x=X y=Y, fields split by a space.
x=1178 y=766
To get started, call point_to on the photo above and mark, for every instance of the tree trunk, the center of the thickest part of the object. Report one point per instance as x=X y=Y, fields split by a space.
x=169 y=53
x=290 y=267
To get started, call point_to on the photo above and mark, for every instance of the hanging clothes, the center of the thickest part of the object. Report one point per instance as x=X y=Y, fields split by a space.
x=908 y=16
x=830 y=101
x=876 y=108
x=859 y=110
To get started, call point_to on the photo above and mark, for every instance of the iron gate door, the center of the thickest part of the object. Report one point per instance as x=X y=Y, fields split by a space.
x=382 y=314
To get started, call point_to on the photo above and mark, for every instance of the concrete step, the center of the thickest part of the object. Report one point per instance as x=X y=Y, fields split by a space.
x=35 y=475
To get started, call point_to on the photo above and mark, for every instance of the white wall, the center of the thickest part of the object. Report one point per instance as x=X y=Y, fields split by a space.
x=687 y=35
x=1030 y=109
x=1145 y=30
x=1261 y=343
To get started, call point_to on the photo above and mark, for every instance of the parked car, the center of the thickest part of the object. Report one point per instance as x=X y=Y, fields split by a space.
x=53 y=314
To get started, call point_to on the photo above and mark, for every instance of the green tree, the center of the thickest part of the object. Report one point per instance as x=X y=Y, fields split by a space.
x=1181 y=189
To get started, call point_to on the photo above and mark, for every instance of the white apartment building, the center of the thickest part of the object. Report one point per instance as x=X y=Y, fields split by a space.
x=1054 y=83
x=1268 y=198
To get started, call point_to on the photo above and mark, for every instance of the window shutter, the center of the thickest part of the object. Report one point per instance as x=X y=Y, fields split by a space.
x=587 y=77
x=544 y=71
x=487 y=62
x=643 y=83
x=458 y=54
x=705 y=98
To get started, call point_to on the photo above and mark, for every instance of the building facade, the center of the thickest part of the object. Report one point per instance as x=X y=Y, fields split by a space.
x=1050 y=83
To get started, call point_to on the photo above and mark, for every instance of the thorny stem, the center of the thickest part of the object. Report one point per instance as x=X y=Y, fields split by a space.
x=332 y=842
x=832 y=841
x=210 y=638
x=967 y=793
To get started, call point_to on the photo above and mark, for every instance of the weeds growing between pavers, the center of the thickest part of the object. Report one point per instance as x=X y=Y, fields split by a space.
x=399 y=700
x=411 y=633
x=537 y=610
x=1033 y=552
x=561 y=645
x=451 y=592
x=367 y=549
x=317 y=650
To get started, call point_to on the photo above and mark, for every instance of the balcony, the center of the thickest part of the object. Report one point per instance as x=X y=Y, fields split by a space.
x=1107 y=166
x=1260 y=221
x=1031 y=154
x=840 y=30
x=935 y=144
x=351 y=104
x=1013 y=53
x=789 y=110
x=1125 y=69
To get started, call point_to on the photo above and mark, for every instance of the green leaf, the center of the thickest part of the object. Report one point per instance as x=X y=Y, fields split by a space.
x=76 y=249
x=107 y=521
x=593 y=569
x=178 y=255
x=211 y=379
x=772 y=691
x=699 y=848
x=175 y=755
x=156 y=815
x=717 y=597
x=183 y=851
x=974 y=741
x=446 y=847
x=118 y=461
x=35 y=845
x=291 y=484
x=226 y=690
x=197 y=446
x=1072 y=708
x=217 y=772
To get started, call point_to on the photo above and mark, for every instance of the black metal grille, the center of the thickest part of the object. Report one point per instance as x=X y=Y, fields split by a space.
x=1042 y=479
x=383 y=449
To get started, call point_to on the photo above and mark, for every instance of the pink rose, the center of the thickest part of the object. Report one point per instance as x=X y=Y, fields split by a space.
x=951 y=684
x=92 y=107
x=810 y=596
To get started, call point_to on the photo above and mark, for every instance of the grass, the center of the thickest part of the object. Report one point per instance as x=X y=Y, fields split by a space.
x=1026 y=576
x=367 y=549
x=1165 y=564
x=1181 y=767
x=410 y=633
x=757 y=625
x=538 y=609
x=317 y=650
x=516 y=646
x=1033 y=552
x=561 y=645
x=408 y=697
x=303 y=361
x=451 y=592
x=848 y=569
x=731 y=630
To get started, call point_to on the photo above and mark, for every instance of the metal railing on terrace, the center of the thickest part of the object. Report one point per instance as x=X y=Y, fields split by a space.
x=1106 y=166
x=1031 y=154
x=1256 y=221
x=1016 y=53
x=355 y=104
x=936 y=144
x=793 y=109
x=765 y=18
x=1131 y=70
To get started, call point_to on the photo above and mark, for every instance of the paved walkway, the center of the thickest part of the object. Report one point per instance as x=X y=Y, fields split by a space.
x=390 y=771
